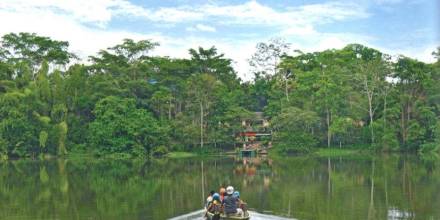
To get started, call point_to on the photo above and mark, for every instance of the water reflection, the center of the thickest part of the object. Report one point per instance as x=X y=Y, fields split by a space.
x=392 y=187
x=396 y=214
x=250 y=169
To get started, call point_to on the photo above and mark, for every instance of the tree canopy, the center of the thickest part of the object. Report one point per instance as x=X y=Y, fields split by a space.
x=126 y=101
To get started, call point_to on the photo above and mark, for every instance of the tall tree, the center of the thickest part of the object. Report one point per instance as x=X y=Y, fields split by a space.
x=203 y=86
x=209 y=61
x=413 y=78
x=268 y=56
x=265 y=61
x=371 y=77
x=34 y=49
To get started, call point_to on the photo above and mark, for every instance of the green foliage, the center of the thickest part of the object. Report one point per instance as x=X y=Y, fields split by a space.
x=430 y=148
x=160 y=151
x=295 y=142
x=293 y=130
x=434 y=146
x=34 y=49
x=60 y=135
x=58 y=113
x=3 y=149
x=388 y=141
x=133 y=50
x=131 y=104
x=208 y=61
x=341 y=126
x=121 y=127
x=361 y=96
x=15 y=125
x=43 y=139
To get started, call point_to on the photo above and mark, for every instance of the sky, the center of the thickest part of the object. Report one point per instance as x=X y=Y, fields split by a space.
x=406 y=27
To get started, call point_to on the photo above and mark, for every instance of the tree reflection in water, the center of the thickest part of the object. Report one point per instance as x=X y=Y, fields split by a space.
x=394 y=186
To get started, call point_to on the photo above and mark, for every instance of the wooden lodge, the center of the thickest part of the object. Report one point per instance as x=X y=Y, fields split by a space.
x=255 y=137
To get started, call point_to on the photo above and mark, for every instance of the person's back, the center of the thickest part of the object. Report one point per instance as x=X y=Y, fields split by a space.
x=230 y=204
x=241 y=206
x=215 y=207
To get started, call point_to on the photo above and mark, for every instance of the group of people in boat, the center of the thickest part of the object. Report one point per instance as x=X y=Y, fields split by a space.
x=225 y=202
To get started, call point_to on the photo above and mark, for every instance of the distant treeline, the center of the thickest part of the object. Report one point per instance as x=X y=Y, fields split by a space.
x=127 y=102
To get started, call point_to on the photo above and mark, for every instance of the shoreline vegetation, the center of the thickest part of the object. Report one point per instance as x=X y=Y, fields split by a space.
x=126 y=103
x=324 y=152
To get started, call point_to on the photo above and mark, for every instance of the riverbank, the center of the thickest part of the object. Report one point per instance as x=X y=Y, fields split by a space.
x=337 y=152
x=321 y=152
x=181 y=154
x=317 y=152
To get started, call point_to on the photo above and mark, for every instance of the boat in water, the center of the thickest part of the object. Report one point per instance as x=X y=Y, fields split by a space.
x=210 y=216
x=200 y=215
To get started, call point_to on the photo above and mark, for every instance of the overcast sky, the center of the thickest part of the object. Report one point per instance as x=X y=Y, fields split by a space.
x=408 y=27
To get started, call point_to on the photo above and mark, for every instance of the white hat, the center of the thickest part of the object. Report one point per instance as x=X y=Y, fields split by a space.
x=229 y=190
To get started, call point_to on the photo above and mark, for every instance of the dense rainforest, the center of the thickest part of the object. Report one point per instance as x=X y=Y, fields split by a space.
x=125 y=101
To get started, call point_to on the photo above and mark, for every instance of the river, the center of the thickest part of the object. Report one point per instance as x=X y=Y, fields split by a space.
x=354 y=187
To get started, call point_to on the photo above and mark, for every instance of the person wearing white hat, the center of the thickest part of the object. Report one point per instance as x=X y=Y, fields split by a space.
x=230 y=202
x=229 y=190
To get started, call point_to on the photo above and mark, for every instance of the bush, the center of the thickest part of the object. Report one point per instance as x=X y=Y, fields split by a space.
x=295 y=143
x=429 y=148
x=160 y=151
x=387 y=142
x=78 y=148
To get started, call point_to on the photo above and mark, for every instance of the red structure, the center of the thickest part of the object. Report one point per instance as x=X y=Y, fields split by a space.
x=247 y=134
x=254 y=136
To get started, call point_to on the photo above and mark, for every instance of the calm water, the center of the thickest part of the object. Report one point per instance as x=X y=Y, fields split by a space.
x=392 y=187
